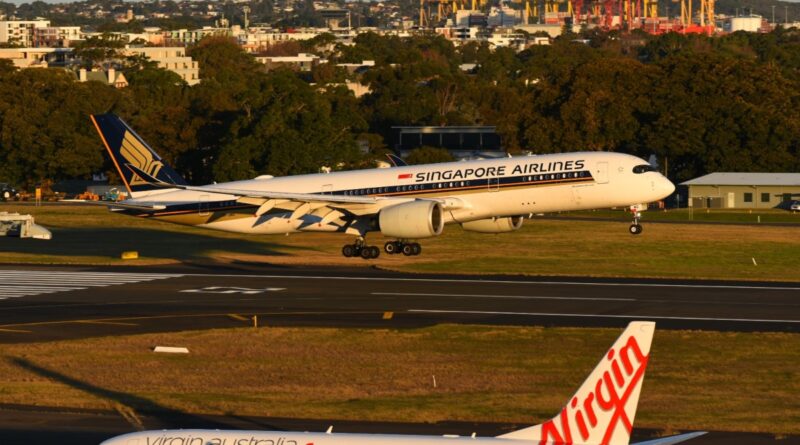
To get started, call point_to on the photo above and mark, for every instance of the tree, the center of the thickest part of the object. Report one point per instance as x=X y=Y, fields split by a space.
x=428 y=155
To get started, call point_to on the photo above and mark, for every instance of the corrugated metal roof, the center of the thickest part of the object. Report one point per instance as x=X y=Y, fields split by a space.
x=790 y=179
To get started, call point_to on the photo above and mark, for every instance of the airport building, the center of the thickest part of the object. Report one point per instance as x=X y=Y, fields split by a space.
x=743 y=190
x=465 y=142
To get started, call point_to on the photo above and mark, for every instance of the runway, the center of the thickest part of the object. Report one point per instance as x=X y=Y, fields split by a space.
x=47 y=303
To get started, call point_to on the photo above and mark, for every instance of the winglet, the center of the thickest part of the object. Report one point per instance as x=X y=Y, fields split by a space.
x=603 y=408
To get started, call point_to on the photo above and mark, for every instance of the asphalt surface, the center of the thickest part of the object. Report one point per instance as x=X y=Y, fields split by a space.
x=47 y=303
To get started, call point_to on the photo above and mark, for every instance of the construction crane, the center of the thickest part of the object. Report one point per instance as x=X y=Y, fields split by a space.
x=707 y=15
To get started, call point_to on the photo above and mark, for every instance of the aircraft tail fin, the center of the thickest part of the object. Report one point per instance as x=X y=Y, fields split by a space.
x=396 y=161
x=601 y=412
x=127 y=149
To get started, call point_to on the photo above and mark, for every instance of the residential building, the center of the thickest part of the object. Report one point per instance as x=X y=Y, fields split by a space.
x=37 y=57
x=56 y=36
x=109 y=77
x=170 y=58
x=301 y=62
x=20 y=31
x=743 y=190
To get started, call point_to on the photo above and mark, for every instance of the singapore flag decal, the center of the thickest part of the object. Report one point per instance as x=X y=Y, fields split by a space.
x=404 y=176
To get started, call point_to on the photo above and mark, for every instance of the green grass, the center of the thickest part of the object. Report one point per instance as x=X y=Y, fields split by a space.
x=87 y=235
x=755 y=216
x=695 y=380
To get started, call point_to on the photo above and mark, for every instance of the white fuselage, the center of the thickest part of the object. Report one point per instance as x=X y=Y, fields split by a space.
x=219 y=437
x=474 y=190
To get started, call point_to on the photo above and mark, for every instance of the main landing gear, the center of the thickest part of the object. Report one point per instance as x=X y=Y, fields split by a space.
x=359 y=248
x=407 y=249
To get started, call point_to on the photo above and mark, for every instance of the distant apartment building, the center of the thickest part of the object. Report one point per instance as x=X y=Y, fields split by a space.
x=170 y=58
x=301 y=62
x=189 y=37
x=37 y=57
x=56 y=36
x=255 y=40
x=20 y=32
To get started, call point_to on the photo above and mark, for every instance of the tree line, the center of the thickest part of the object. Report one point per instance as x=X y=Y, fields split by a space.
x=701 y=104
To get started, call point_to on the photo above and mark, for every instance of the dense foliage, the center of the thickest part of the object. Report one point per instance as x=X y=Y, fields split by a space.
x=700 y=104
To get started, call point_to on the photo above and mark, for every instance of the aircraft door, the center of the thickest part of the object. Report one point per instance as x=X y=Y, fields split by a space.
x=600 y=172
x=327 y=189
x=204 y=205
x=494 y=184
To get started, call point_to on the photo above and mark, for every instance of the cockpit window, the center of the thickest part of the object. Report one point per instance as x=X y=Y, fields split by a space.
x=644 y=168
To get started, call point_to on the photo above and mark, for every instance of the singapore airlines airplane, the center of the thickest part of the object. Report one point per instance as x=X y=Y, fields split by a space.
x=600 y=413
x=406 y=202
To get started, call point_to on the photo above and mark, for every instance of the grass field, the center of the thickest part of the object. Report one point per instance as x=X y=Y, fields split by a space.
x=755 y=216
x=88 y=235
x=695 y=380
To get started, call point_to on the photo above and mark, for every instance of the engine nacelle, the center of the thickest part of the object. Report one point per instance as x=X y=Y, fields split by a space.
x=494 y=225
x=412 y=220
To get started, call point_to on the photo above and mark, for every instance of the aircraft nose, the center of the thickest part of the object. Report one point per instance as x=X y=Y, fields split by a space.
x=667 y=186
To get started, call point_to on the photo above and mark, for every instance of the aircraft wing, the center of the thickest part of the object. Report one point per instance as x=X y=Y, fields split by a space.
x=301 y=197
x=672 y=439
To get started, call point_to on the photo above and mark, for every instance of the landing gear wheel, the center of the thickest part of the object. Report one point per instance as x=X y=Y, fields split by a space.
x=366 y=253
x=349 y=250
x=374 y=252
x=408 y=250
x=635 y=229
x=416 y=249
x=391 y=248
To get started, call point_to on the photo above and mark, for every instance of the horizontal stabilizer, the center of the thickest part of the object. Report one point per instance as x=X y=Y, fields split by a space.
x=671 y=440
x=120 y=204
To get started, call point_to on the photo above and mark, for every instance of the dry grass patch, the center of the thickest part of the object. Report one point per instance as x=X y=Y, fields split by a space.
x=696 y=380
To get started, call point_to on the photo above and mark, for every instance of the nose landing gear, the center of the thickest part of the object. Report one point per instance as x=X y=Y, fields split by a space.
x=636 y=228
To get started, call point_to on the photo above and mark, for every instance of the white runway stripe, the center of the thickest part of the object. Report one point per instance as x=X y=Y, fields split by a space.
x=23 y=283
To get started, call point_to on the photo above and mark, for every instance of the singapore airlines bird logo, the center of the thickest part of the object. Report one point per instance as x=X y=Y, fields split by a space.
x=140 y=157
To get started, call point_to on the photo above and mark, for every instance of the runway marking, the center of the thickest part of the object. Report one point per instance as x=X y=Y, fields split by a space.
x=25 y=283
x=633 y=316
x=116 y=323
x=17 y=331
x=515 y=297
x=233 y=290
x=165 y=317
x=450 y=280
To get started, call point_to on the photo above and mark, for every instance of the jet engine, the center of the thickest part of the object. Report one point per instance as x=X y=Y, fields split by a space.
x=494 y=225
x=412 y=220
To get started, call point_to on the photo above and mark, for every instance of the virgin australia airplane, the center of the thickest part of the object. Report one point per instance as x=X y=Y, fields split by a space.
x=600 y=413
x=406 y=203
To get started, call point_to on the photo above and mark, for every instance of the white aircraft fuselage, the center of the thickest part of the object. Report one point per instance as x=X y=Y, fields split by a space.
x=471 y=190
